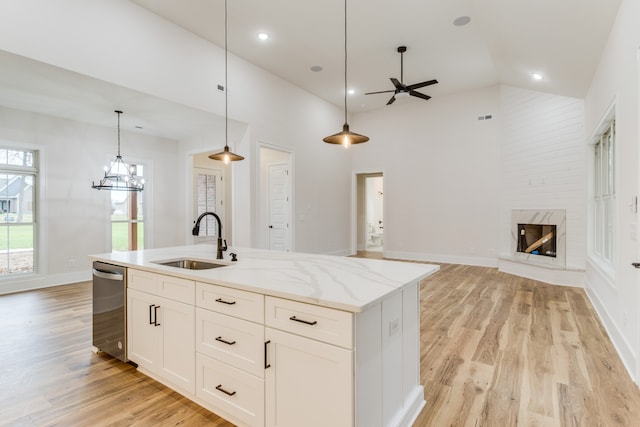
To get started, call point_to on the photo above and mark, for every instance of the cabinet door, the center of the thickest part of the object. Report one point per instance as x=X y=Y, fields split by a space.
x=308 y=383
x=144 y=336
x=177 y=358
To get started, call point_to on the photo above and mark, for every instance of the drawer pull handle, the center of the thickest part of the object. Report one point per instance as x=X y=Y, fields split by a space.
x=222 y=340
x=228 y=393
x=155 y=315
x=151 y=313
x=306 y=322
x=266 y=361
x=220 y=300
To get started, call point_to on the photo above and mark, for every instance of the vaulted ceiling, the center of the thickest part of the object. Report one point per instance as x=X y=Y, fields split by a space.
x=505 y=41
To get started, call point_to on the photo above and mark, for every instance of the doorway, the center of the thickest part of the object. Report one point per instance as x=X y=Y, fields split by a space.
x=370 y=211
x=276 y=199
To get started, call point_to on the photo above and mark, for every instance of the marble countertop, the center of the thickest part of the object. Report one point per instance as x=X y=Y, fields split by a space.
x=345 y=283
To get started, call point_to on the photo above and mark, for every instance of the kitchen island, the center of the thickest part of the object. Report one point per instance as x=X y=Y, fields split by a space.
x=278 y=338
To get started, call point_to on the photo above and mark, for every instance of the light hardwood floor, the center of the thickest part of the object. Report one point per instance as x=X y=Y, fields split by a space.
x=497 y=350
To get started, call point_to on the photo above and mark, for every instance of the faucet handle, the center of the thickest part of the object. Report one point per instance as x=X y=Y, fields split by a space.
x=234 y=256
x=224 y=246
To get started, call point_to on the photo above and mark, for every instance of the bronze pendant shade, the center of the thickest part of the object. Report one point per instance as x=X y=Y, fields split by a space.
x=346 y=137
x=226 y=155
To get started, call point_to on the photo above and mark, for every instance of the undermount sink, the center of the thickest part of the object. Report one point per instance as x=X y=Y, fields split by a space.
x=190 y=264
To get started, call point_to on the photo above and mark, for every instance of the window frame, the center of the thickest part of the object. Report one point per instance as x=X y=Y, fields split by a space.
x=603 y=211
x=35 y=171
x=144 y=222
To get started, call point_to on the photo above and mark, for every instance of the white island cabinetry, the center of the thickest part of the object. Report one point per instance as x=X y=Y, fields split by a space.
x=280 y=339
x=160 y=321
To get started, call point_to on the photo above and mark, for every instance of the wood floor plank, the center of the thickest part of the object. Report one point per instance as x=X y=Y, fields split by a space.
x=496 y=351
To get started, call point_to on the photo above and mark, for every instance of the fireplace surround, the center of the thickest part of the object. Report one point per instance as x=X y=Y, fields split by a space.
x=538 y=236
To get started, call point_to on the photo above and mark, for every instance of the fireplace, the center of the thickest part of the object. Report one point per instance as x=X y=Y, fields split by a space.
x=539 y=236
x=537 y=239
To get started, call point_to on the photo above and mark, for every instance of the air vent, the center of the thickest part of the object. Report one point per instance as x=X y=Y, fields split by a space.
x=487 y=117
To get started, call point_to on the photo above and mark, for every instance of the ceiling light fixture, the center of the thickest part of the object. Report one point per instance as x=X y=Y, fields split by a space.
x=346 y=137
x=119 y=177
x=536 y=76
x=263 y=36
x=226 y=155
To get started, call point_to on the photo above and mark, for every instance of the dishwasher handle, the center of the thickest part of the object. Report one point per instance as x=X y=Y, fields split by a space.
x=107 y=275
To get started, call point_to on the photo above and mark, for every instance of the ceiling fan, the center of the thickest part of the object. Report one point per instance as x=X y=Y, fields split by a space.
x=402 y=89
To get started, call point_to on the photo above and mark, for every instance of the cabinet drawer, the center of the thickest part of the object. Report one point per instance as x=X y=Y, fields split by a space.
x=230 y=390
x=231 y=340
x=174 y=288
x=320 y=323
x=234 y=302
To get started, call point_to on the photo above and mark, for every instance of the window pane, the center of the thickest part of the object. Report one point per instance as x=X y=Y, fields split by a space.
x=16 y=248
x=119 y=236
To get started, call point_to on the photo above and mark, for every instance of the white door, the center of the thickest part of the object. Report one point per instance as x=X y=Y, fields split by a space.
x=143 y=332
x=279 y=207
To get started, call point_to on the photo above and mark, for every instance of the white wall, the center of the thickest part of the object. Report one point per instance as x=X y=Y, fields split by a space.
x=116 y=41
x=441 y=176
x=543 y=163
x=74 y=218
x=616 y=81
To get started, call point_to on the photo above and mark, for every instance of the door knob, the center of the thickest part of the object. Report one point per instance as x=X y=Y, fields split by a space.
x=271 y=226
x=636 y=264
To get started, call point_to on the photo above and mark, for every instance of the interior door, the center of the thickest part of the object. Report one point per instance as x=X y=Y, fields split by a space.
x=209 y=197
x=279 y=207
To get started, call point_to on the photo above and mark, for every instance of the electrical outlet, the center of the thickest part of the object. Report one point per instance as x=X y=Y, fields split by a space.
x=394 y=326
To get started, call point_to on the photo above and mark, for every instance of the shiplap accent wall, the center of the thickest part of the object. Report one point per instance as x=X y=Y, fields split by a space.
x=543 y=163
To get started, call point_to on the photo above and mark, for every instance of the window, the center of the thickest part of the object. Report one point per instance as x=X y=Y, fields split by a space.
x=127 y=217
x=18 y=179
x=604 y=195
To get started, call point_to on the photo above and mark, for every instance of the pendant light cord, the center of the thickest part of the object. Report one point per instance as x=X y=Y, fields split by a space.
x=345 y=61
x=226 y=86
x=118 y=112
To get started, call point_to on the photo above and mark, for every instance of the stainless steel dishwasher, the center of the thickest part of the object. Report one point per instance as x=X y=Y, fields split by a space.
x=110 y=309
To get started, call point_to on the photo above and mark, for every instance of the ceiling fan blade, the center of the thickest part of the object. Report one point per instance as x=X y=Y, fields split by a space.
x=396 y=83
x=392 y=100
x=419 y=95
x=382 y=91
x=423 y=84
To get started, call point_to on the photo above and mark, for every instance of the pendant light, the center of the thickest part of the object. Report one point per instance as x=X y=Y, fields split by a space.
x=119 y=176
x=226 y=156
x=346 y=137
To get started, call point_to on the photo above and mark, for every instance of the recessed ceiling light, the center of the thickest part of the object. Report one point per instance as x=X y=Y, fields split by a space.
x=461 y=21
x=263 y=36
x=316 y=68
x=536 y=76
x=351 y=91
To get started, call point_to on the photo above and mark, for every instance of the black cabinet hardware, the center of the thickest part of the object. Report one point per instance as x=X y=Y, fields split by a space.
x=636 y=264
x=220 y=300
x=150 y=313
x=155 y=315
x=266 y=360
x=222 y=340
x=306 y=322
x=228 y=393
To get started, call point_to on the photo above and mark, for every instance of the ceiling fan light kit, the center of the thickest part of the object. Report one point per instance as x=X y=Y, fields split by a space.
x=346 y=137
x=402 y=89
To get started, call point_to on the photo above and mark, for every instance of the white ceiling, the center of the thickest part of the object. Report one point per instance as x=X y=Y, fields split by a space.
x=505 y=42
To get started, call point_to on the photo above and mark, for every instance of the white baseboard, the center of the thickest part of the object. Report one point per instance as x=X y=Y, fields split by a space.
x=38 y=281
x=625 y=351
x=445 y=259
